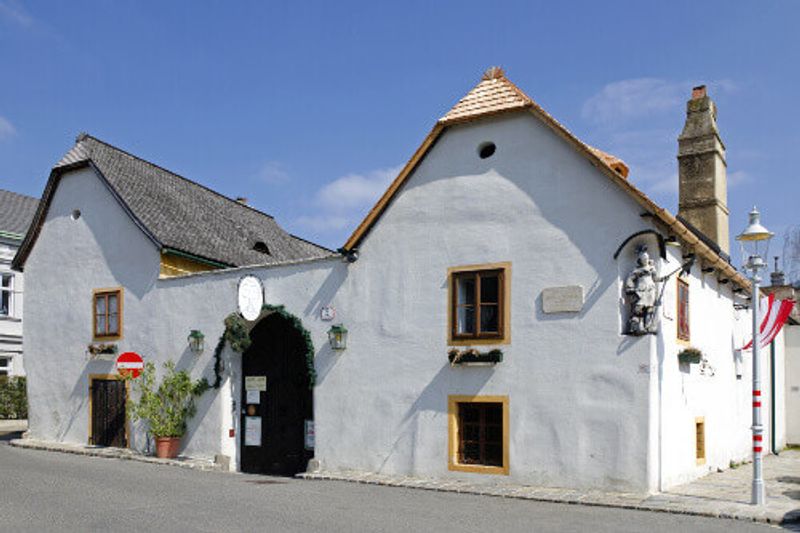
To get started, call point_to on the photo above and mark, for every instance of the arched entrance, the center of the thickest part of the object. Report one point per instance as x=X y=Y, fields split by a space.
x=277 y=399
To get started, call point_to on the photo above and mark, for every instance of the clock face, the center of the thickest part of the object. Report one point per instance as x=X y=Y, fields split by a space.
x=251 y=297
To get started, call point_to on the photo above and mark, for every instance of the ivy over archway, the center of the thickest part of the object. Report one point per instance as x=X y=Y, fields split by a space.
x=237 y=334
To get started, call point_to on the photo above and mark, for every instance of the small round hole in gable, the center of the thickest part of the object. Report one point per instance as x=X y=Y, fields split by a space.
x=76 y=214
x=486 y=150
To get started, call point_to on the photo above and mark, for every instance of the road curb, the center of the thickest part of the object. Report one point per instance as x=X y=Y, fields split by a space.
x=115 y=453
x=564 y=496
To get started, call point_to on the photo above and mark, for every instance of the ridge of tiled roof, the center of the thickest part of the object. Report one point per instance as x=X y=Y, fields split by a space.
x=16 y=212
x=180 y=214
x=496 y=94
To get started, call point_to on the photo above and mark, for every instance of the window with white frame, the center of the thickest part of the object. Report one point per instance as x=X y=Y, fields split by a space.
x=5 y=365
x=6 y=294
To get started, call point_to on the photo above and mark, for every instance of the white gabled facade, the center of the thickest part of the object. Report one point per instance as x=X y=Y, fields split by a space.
x=583 y=405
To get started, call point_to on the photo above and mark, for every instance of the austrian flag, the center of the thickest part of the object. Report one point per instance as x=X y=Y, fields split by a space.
x=777 y=311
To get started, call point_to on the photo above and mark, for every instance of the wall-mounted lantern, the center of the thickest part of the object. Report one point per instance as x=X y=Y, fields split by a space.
x=337 y=336
x=196 y=341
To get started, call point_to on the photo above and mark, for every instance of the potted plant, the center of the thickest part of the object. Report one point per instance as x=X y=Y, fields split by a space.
x=690 y=355
x=471 y=356
x=166 y=407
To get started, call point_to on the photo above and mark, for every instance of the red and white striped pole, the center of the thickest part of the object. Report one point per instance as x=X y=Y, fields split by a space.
x=757 y=497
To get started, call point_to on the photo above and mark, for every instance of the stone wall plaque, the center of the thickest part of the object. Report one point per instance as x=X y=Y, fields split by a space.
x=567 y=299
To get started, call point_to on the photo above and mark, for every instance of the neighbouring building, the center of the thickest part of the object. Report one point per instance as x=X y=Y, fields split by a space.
x=517 y=310
x=16 y=213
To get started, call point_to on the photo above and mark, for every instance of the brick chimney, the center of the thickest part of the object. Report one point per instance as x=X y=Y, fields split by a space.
x=703 y=182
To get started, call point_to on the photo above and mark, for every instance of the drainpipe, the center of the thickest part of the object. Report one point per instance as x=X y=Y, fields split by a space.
x=773 y=440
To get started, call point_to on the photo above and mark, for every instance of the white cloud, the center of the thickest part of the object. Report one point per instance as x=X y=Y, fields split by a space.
x=739 y=177
x=355 y=191
x=344 y=201
x=638 y=98
x=633 y=98
x=7 y=129
x=273 y=172
x=12 y=10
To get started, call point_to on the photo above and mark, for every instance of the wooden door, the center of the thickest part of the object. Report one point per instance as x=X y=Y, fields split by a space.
x=277 y=356
x=108 y=412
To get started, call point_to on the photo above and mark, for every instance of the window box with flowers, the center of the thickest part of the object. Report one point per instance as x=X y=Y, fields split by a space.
x=690 y=356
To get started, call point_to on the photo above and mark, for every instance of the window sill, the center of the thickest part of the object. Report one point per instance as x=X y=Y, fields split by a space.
x=112 y=338
x=478 y=341
x=479 y=469
x=6 y=318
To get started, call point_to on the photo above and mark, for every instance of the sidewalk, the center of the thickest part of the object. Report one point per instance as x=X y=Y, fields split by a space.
x=13 y=426
x=720 y=495
x=114 y=453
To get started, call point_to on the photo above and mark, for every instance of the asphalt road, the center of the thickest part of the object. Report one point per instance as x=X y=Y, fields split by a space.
x=46 y=491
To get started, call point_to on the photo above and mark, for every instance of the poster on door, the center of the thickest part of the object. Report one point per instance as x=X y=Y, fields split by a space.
x=310 y=437
x=252 y=431
x=254 y=397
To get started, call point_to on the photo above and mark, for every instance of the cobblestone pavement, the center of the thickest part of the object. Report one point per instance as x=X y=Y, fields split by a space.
x=723 y=494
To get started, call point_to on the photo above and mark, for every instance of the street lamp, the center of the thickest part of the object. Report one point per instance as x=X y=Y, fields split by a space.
x=754 y=241
x=196 y=341
x=337 y=336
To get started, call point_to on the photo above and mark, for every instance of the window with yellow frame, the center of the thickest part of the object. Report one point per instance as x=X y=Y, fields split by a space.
x=478 y=434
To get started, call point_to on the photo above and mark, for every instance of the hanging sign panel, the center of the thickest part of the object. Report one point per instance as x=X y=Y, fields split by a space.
x=252 y=431
x=257 y=383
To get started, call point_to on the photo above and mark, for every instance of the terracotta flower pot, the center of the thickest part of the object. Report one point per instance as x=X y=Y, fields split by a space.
x=167 y=447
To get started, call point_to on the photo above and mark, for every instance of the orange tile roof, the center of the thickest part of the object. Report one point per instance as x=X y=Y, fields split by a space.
x=497 y=94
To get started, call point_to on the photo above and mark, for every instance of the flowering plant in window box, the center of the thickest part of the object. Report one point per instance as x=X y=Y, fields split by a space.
x=690 y=355
x=102 y=349
x=473 y=356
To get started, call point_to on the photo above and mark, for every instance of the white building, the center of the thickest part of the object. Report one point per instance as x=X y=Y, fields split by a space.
x=16 y=213
x=504 y=234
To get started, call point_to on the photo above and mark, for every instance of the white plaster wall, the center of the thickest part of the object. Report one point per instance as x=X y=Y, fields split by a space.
x=777 y=382
x=102 y=248
x=11 y=325
x=206 y=299
x=722 y=399
x=578 y=403
x=792 y=387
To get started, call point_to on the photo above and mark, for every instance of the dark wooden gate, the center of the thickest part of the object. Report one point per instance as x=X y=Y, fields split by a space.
x=278 y=354
x=108 y=412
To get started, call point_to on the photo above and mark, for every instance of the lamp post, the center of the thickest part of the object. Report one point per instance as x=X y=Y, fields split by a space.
x=754 y=241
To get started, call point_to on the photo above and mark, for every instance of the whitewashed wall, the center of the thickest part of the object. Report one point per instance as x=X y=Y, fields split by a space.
x=578 y=403
x=11 y=325
x=589 y=407
x=792 y=383
x=722 y=399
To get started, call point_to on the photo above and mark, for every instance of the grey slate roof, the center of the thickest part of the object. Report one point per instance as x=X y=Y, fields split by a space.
x=16 y=212
x=185 y=216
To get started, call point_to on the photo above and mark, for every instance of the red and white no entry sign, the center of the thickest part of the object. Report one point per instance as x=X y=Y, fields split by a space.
x=130 y=363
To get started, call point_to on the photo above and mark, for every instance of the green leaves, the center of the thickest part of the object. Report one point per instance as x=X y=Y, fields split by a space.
x=168 y=406
x=13 y=398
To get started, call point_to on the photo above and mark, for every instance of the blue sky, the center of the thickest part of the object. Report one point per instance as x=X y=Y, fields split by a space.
x=309 y=108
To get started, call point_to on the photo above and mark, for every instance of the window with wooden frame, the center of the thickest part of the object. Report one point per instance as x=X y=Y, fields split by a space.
x=478 y=434
x=479 y=307
x=683 y=310
x=700 y=440
x=107 y=314
x=6 y=294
